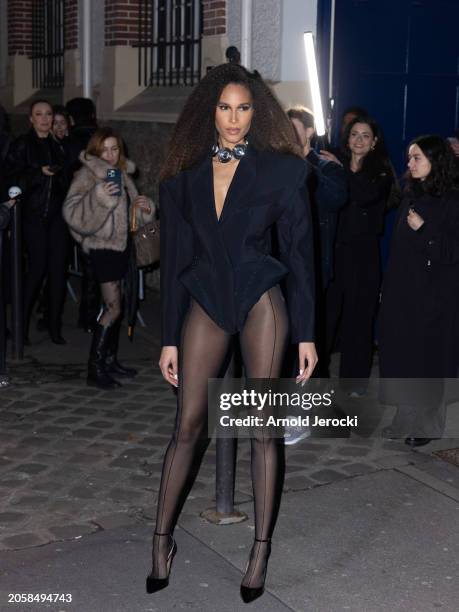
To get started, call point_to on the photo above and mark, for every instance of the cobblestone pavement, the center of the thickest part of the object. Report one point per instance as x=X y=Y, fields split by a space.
x=75 y=460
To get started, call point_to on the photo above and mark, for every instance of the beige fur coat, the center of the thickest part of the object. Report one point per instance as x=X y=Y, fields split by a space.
x=97 y=220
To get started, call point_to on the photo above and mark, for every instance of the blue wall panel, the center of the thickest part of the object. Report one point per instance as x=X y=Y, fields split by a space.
x=399 y=59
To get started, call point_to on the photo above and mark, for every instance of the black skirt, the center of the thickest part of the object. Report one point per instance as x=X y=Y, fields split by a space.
x=109 y=265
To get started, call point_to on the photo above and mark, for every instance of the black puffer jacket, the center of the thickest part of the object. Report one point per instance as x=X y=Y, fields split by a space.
x=42 y=195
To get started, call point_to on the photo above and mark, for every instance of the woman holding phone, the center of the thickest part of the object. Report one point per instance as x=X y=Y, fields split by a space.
x=37 y=164
x=97 y=209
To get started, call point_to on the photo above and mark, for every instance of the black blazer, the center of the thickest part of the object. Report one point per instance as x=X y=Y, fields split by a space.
x=226 y=264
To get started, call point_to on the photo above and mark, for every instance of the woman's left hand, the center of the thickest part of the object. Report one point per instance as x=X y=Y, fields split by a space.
x=143 y=203
x=415 y=221
x=307 y=357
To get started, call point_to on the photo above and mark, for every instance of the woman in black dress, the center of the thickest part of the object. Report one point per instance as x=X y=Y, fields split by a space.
x=98 y=214
x=232 y=174
x=419 y=317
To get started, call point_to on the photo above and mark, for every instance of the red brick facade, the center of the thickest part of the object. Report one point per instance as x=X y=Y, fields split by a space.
x=71 y=23
x=19 y=27
x=214 y=18
x=121 y=22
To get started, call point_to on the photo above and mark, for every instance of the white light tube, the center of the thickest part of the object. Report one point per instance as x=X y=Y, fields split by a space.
x=313 y=78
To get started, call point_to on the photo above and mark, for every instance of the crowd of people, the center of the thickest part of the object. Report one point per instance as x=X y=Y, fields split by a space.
x=222 y=193
x=61 y=163
x=62 y=166
x=238 y=167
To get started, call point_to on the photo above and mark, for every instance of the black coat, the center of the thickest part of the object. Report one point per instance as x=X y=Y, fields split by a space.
x=363 y=215
x=328 y=190
x=419 y=317
x=226 y=264
x=42 y=195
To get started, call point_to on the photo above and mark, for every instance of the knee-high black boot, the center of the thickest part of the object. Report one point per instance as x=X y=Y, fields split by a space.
x=113 y=366
x=97 y=371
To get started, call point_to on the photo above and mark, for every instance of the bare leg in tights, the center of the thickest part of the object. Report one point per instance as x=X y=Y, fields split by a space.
x=202 y=353
x=111 y=295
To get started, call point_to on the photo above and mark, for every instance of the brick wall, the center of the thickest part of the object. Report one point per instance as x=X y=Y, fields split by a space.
x=214 y=17
x=19 y=27
x=71 y=23
x=121 y=22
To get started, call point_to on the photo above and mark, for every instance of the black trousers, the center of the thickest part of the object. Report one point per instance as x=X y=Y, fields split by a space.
x=351 y=303
x=46 y=243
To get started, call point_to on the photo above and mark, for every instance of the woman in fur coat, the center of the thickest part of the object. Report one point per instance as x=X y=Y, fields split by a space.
x=98 y=214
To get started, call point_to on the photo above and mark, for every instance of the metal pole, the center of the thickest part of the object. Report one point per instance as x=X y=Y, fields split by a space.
x=246 y=34
x=2 y=314
x=17 y=310
x=330 y=72
x=86 y=50
x=332 y=50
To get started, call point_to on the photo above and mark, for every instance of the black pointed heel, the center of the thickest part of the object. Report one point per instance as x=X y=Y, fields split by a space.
x=249 y=594
x=156 y=584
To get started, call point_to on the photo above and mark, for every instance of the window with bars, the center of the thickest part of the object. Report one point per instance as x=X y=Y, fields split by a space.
x=48 y=43
x=169 y=42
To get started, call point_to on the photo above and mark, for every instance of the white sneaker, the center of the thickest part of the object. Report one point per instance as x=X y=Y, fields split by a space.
x=295 y=433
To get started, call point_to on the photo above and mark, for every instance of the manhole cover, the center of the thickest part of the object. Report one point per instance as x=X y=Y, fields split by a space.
x=451 y=455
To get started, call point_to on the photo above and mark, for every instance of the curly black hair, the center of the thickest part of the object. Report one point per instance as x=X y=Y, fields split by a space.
x=194 y=132
x=443 y=175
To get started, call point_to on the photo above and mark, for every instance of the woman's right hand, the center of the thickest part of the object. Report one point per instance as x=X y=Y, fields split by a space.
x=329 y=156
x=111 y=189
x=168 y=364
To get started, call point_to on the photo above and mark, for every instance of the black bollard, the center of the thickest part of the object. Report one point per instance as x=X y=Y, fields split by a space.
x=225 y=476
x=17 y=311
x=226 y=452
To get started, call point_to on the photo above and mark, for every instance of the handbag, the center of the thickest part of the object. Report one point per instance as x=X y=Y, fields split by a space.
x=146 y=241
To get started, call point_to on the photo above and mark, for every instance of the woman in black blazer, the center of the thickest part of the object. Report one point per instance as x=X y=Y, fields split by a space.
x=232 y=174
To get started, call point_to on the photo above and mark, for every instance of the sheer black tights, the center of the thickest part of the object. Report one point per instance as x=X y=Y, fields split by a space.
x=111 y=295
x=204 y=347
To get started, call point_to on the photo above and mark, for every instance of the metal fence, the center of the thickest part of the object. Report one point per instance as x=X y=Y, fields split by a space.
x=169 y=42
x=48 y=43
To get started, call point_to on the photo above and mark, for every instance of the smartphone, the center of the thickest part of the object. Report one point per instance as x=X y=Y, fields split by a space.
x=114 y=176
x=55 y=168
